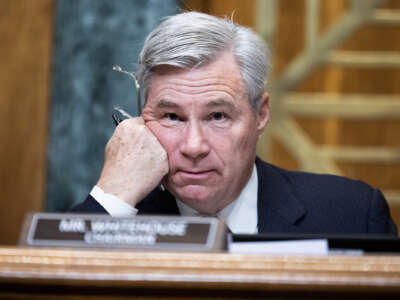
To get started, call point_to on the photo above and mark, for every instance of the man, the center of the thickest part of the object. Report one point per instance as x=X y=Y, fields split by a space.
x=203 y=79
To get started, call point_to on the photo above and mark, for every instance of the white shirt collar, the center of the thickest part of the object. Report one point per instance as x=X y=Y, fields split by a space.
x=241 y=215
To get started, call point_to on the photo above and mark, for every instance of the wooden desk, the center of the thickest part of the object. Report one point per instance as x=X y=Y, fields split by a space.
x=43 y=273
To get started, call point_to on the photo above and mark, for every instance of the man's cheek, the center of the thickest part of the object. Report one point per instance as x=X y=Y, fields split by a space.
x=227 y=149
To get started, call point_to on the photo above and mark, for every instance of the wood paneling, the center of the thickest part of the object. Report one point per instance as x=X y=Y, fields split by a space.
x=242 y=11
x=290 y=16
x=341 y=80
x=25 y=52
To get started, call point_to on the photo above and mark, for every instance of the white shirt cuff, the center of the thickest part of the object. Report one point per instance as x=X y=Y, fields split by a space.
x=112 y=204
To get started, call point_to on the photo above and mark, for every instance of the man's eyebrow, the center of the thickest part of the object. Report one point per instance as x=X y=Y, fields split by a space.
x=167 y=104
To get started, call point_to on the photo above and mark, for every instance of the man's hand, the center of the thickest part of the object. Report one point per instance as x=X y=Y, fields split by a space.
x=134 y=162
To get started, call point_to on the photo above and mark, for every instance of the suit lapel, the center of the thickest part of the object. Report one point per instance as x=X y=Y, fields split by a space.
x=279 y=210
x=158 y=202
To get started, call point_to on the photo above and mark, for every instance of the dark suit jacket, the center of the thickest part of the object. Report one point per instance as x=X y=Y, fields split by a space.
x=296 y=202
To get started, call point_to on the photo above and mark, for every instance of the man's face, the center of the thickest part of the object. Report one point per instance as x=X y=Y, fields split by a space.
x=203 y=119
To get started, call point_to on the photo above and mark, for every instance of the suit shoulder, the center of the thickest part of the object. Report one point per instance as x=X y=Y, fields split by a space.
x=319 y=181
x=324 y=187
x=333 y=203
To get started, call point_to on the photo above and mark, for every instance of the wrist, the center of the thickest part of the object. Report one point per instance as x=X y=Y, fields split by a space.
x=127 y=195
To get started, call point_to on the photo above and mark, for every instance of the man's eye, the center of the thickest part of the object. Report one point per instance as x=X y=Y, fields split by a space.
x=218 y=116
x=171 y=116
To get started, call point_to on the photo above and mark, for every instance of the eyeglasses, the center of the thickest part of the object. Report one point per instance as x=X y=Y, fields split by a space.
x=137 y=85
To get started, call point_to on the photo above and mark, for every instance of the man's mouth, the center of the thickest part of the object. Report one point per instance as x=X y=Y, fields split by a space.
x=195 y=174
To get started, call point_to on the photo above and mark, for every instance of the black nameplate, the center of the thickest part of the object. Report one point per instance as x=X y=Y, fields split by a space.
x=141 y=232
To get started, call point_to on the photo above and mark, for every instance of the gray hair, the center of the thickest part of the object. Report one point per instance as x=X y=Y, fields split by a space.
x=192 y=39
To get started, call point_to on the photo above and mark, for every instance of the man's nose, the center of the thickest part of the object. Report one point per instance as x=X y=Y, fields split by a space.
x=194 y=144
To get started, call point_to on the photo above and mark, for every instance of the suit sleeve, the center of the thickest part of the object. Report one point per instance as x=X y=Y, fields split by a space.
x=89 y=206
x=379 y=219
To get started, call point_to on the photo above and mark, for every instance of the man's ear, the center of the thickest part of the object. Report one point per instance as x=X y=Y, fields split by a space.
x=263 y=113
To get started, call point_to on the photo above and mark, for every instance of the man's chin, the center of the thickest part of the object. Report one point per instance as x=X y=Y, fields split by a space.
x=194 y=193
x=197 y=197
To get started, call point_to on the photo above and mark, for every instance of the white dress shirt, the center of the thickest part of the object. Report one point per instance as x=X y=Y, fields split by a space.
x=240 y=216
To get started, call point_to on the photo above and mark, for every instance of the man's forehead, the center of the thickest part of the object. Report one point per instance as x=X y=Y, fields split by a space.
x=223 y=61
x=222 y=75
x=178 y=72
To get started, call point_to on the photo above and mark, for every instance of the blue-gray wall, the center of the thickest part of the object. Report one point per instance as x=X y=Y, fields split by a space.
x=90 y=37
